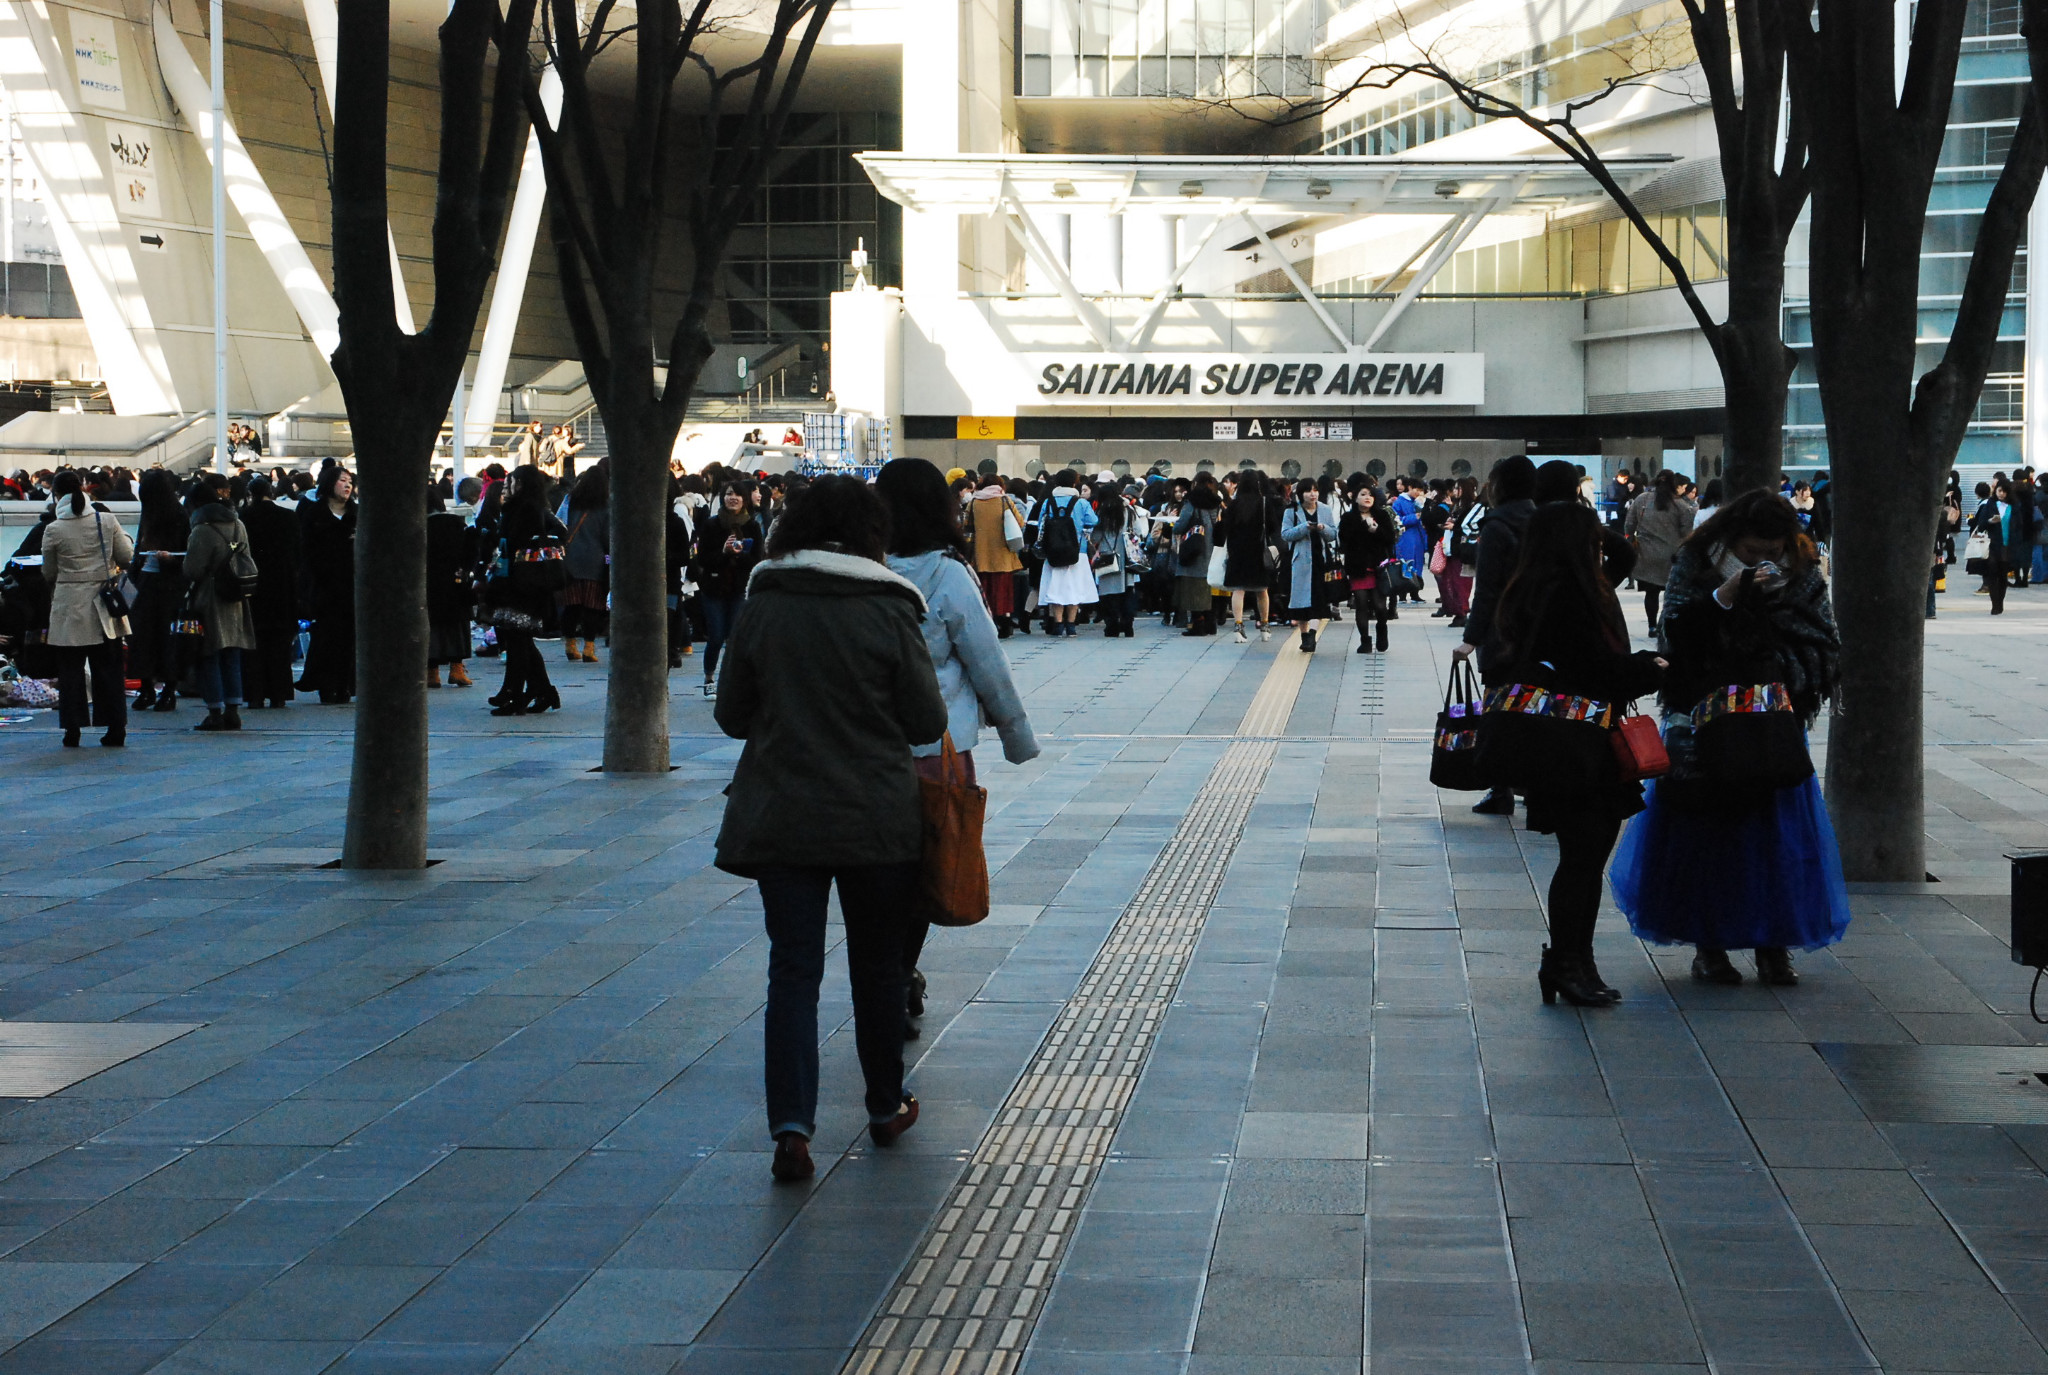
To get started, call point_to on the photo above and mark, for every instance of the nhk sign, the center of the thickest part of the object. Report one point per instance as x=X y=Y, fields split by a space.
x=1219 y=379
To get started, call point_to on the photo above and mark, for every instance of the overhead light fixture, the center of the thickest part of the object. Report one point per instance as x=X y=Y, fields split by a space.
x=1063 y=189
x=1191 y=188
x=1447 y=189
x=1319 y=188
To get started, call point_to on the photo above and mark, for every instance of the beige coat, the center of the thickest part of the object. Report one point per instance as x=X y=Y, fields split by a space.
x=73 y=562
x=992 y=552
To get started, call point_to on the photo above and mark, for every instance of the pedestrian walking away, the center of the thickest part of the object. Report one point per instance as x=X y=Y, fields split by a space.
x=927 y=550
x=830 y=684
x=1658 y=522
x=1068 y=583
x=1735 y=850
x=451 y=594
x=83 y=549
x=1250 y=557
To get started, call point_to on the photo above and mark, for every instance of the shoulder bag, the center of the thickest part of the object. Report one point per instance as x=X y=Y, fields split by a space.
x=1538 y=741
x=1013 y=528
x=1748 y=736
x=1639 y=747
x=1454 y=758
x=111 y=598
x=541 y=567
x=954 y=865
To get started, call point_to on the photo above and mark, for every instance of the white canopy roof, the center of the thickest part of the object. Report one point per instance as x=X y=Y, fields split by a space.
x=1340 y=186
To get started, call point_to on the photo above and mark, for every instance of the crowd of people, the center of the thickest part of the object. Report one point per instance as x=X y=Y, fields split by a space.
x=851 y=633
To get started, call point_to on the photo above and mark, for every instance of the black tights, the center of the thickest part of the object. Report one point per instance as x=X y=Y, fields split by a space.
x=1370 y=608
x=1583 y=845
x=1653 y=597
x=526 y=672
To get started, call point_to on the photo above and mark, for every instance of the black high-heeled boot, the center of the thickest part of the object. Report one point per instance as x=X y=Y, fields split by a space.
x=1575 y=978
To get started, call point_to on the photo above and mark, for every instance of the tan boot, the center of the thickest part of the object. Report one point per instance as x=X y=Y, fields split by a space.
x=433 y=675
x=569 y=644
x=590 y=651
x=458 y=676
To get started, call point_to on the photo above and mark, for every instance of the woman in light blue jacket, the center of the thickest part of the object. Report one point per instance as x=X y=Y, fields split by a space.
x=1309 y=529
x=927 y=548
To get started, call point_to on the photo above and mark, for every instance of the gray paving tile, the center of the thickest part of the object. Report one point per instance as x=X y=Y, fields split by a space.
x=1248 y=1315
x=1626 y=1323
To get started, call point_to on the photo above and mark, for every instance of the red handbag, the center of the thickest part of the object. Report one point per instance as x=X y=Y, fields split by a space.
x=1640 y=748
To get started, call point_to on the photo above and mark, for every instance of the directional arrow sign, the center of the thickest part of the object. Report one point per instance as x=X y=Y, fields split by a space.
x=153 y=242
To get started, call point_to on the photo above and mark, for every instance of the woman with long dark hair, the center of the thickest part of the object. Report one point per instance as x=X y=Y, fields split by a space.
x=1562 y=647
x=729 y=543
x=1735 y=851
x=451 y=593
x=160 y=536
x=82 y=548
x=1366 y=534
x=1194 y=532
x=928 y=550
x=1242 y=530
x=1111 y=546
x=1658 y=522
x=830 y=683
x=518 y=590
x=327 y=541
x=587 y=514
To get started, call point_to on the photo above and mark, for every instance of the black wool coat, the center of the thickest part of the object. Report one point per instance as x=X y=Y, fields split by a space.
x=828 y=680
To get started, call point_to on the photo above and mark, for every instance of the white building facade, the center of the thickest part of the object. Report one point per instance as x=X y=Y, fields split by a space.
x=1134 y=188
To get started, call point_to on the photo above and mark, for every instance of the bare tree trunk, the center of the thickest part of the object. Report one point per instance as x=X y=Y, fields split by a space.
x=387 y=794
x=1756 y=367
x=636 y=706
x=1874 y=163
x=398 y=386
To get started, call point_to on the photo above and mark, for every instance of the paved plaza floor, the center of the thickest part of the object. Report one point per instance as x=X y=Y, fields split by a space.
x=1246 y=1072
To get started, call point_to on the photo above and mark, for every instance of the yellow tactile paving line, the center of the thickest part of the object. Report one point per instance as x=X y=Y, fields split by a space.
x=967 y=1304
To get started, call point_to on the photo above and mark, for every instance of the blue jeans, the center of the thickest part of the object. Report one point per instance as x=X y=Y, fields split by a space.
x=2041 y=563
x=220 y=678
x=876 y=900
x=719 y=615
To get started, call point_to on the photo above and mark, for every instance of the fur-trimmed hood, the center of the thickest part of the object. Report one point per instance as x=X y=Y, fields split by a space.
x=825 y=573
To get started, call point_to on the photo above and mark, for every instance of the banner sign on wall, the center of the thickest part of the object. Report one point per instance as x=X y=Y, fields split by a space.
x=95 y=50
x=1263 y=379
x=132 y=150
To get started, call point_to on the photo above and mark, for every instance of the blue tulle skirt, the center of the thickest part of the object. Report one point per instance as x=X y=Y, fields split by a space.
x=1767 y=875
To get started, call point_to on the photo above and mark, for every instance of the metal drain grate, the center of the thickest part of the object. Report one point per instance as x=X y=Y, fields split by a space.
x=967 y=1304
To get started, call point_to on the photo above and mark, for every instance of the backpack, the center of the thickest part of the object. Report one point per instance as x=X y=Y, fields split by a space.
x=1059 y=541
x=234 y=578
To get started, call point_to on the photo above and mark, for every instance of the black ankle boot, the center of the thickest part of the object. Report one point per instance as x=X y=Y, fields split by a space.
x=1575 y=977
x=1710 y=966
x=1774 y=967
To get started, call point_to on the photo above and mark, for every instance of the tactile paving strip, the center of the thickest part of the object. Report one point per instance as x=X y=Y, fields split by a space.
x=967 y=1303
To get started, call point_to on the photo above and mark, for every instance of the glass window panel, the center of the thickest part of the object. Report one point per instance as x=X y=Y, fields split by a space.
x=1037 y=76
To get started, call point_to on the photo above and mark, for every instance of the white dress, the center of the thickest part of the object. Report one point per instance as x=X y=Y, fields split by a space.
x=1073 y=585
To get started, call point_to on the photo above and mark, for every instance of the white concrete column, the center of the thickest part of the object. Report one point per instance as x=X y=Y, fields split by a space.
x=931 y=125
x=66 y=156
x=251 y=196
x=508 y=293
x=323 y=28
x=2034 y=435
